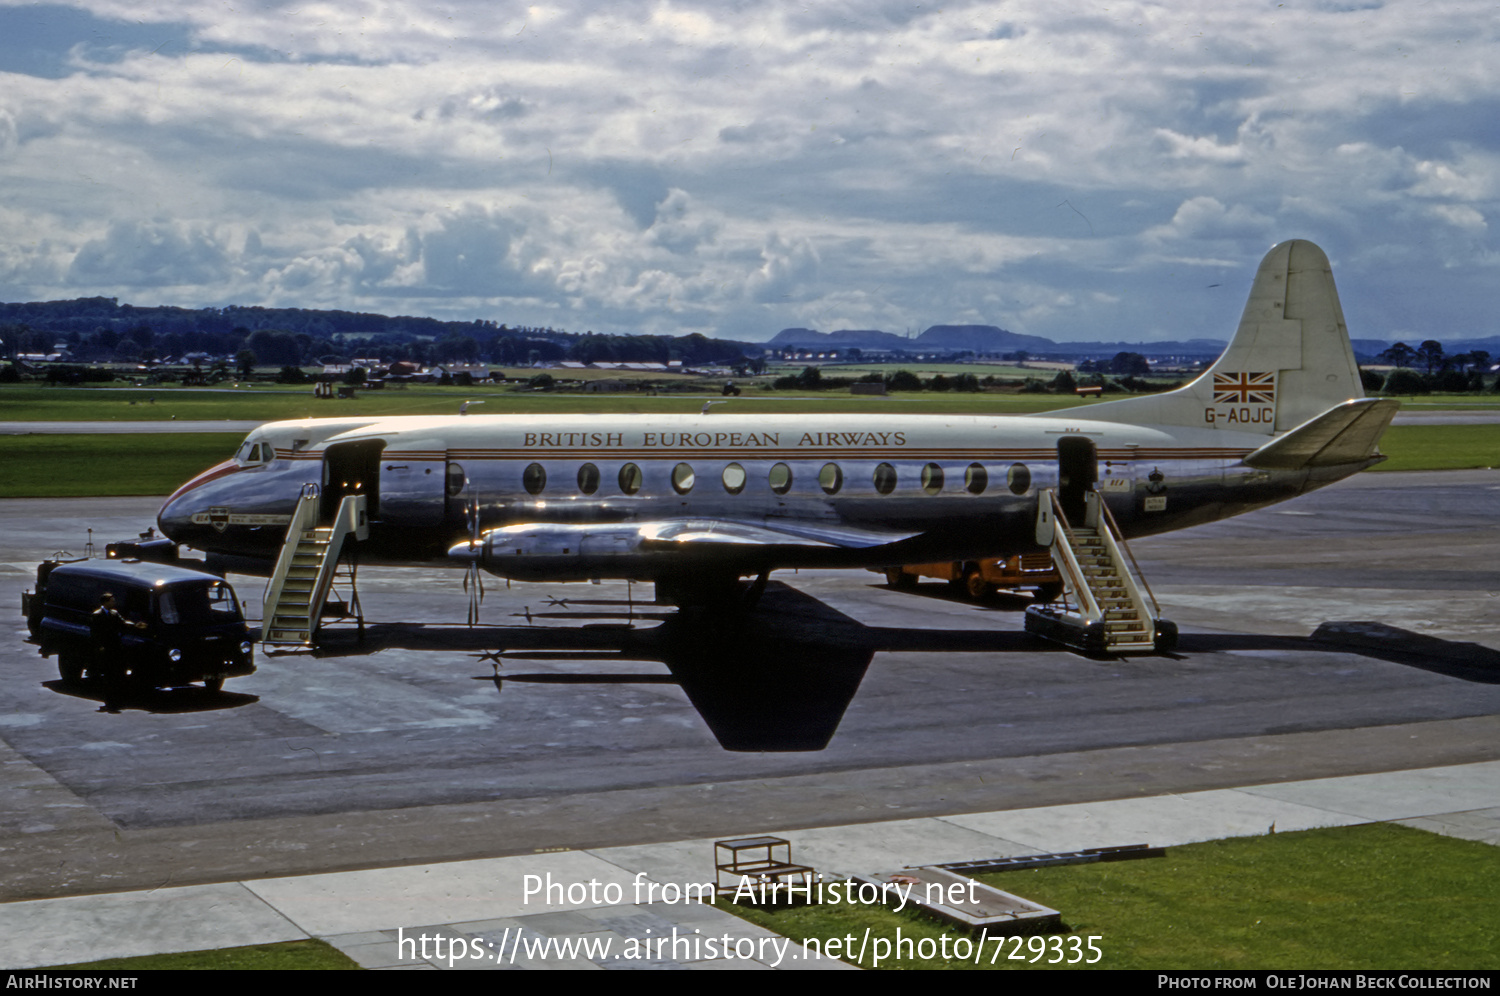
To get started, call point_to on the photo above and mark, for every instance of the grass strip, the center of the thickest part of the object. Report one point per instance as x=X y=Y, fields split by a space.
x=107 y=465
x=1440 y=447
x=1379 y=896
x=119 y=464
x=301 y=956
x=32 y=404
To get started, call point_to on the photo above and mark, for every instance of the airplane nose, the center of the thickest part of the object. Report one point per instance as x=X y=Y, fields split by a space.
x=175 y=519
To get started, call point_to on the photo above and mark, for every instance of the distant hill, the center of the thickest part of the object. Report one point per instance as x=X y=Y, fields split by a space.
x=982 y=339
x=991 y=340
x=842 y=339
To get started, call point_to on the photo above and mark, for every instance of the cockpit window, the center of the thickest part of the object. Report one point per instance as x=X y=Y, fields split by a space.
x=252 y=453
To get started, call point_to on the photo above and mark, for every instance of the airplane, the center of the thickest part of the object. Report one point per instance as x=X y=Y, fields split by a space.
x=697 y=502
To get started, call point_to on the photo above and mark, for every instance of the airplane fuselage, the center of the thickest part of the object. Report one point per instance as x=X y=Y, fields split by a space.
x=564 y=497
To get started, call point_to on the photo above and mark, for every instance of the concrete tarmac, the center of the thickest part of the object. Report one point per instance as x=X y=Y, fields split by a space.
x=1353 y=631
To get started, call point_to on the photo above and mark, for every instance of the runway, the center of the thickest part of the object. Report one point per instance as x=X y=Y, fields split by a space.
x=1354 y=630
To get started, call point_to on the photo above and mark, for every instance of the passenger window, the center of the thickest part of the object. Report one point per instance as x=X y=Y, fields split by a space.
x=456 y=480
x=534 y=479
x=588 y=479
x=885 y=478
x=166 y=607
x=780 y=478
x=976 y=479
x=1018 y=478
x=682 y=478
x=734 y=478
x=630 y=479
x=831 y=478
x=932 y=478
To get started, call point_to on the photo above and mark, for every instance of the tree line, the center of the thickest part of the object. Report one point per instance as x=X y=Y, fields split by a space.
x=101 y=330
x=1455 y=373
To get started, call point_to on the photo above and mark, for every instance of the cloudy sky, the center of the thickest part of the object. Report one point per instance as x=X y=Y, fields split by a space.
x=1076 y=170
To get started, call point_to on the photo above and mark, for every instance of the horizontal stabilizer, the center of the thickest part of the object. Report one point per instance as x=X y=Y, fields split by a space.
x=1347 y=433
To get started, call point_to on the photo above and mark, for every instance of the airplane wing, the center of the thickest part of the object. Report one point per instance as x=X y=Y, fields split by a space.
x=1346 y=433
x=654 y=548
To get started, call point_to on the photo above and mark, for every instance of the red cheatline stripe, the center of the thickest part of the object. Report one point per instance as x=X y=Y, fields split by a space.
x=213 y=473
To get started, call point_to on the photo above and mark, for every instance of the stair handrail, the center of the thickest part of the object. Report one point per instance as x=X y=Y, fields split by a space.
x=305 y=509
x=349 y=519
x=1118 y=537
x=1063 y=539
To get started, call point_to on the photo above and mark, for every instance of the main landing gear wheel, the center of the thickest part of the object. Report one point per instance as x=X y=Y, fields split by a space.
x=897 y=578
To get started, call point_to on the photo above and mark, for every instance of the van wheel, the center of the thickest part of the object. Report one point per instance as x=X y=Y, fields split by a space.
x=214 y=684
x=69 y=668
x=974 y=583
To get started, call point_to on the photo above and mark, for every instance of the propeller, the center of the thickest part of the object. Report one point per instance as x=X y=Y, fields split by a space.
x=473 y=579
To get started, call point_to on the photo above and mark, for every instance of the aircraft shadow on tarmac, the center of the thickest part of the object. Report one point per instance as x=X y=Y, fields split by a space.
x=776 y=679
x=163 y=701
x=1465 y=661
x=781 y=677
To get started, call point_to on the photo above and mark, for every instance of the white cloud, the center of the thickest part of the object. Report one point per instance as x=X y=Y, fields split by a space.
x=656 y=164
x=1461 y=217
x=1206 y=218
x=151 y=254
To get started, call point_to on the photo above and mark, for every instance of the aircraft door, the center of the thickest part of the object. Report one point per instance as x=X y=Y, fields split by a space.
x=413 y=481
x=351 y=469
x=1117 y=485
x=1077 y=470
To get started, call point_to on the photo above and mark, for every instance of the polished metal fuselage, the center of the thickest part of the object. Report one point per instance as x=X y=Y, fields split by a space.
x=845 y=490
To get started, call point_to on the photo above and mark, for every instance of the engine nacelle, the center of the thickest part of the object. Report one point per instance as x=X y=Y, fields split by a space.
x=563 y=552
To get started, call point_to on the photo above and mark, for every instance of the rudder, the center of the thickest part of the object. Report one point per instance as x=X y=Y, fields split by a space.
x=1290 y=359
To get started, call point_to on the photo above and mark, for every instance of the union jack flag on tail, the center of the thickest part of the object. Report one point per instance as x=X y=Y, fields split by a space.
x=1245 y=388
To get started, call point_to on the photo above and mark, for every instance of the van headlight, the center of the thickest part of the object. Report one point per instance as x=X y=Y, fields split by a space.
x=174 y=655
x=246 y=647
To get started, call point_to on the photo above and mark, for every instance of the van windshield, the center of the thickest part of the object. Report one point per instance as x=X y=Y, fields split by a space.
x=210 y=602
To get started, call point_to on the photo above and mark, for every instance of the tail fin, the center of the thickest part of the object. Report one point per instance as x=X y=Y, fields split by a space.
x=1290 y=359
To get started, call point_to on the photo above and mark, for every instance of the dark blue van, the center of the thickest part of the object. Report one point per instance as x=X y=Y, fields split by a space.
x=194 y=628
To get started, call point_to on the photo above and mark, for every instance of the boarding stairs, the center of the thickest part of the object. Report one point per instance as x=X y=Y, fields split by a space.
x=1107 y=607
x=305 y=571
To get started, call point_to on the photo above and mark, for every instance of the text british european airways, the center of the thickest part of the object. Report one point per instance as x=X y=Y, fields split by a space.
x=706 y=440
x=575 y=439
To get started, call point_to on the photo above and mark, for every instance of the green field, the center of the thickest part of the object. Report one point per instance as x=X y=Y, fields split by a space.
x=265 y=404
x=107 y=464
x=1440 y=447
x=1379 y=896
x=23 y=403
